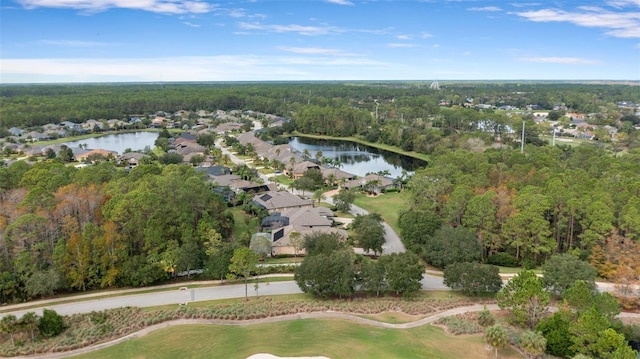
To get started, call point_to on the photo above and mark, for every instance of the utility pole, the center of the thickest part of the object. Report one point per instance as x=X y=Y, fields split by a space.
x=522 y=140
x=553 y=142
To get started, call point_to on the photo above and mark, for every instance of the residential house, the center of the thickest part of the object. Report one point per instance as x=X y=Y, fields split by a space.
x=373 y=183
x=84 y=156
x=274 y=201
x=300 y=168
x=14 y=131
x=336 y=175
x=130 y=159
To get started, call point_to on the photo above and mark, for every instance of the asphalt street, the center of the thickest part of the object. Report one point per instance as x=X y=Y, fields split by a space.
x=429 y=282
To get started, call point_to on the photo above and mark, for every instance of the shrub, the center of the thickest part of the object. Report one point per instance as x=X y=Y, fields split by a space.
x=529 y=263
x=51 y=323
x=459 y=325
x=485 y=318
x=503 y=259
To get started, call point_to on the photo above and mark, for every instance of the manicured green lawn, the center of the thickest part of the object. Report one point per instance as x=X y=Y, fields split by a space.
x=387 y=205
x=239 y=224
x=333 y=338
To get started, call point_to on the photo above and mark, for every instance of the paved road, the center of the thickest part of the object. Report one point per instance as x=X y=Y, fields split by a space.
x=429 y=282
x=392 y=242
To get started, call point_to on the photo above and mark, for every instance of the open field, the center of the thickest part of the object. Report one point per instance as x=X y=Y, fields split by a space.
x=333 y=338
x=387 y=205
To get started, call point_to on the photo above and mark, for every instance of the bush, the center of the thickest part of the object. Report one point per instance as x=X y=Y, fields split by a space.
x=529 y=263
x=485 y=318
x=51 y=323
x=503 y=259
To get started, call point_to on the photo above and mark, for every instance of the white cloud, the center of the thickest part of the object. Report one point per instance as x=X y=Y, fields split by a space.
x=340 y=2
x=426 y=35
x=315 y=51
x=157 y=6
x=190 y=24
x=524 y=4
x=617 y=24
x=73 y=43
x=485 y=8
x=300 y=29
x=561 y=60
x=187 y=68
x=401 y=45
x=403 y=37
x=623 y=3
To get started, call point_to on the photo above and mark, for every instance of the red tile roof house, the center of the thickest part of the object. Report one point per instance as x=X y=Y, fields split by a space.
x=104 y=153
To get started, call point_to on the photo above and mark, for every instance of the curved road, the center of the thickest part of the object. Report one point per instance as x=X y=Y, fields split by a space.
x=429 y=282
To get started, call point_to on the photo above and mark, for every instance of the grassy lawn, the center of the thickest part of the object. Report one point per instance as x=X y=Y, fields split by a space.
x=239 y=224
x=283 y=179
x=309 y=337
x=387 y=205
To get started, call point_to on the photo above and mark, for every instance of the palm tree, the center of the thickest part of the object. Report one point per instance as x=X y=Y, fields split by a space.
x=318 y=155
x=319 y=195
x=9 y=324
x=331 y=178
x=292 y=162
x=306 y=154
x=295 y=238
x=30 y=321
x=497 y=337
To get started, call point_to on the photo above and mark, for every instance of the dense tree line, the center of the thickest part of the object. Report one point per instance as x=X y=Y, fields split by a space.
x=63 y=228
x=529 y=206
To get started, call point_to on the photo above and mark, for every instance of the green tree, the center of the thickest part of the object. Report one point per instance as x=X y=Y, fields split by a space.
x=9 y=325
x=533 y=343
x=416 y=227
x=372 y=276
x=525 y=296
x=322 y=243
x=344 y=199
x=261 y=244
x=327 y=274
x=473 y=278
x=586 y=331
x=29 y=320
x=497 y=337
x=485 y=318
x=582 y=296
x=450 y=245
x=243 y=262
x=562 y=270
x=51 y=323
x=612 y=345
x=556 y=330
x=403 y=272
x=319 y=196
x=480 y=216
x=369 y=232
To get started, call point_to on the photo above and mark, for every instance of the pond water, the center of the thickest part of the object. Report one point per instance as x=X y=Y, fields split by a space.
x=358 y=159
x=136 y=141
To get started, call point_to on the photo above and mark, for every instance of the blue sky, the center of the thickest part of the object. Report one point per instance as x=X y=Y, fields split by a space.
x=277 y=40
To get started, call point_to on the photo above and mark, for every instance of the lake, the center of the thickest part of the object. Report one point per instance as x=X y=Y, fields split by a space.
x=136 y=141
x=358 y=159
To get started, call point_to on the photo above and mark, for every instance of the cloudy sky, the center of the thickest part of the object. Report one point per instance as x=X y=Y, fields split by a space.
x=258 y=40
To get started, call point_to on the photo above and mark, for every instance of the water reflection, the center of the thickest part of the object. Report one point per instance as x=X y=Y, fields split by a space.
x=136 y=141
x=357 y=158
